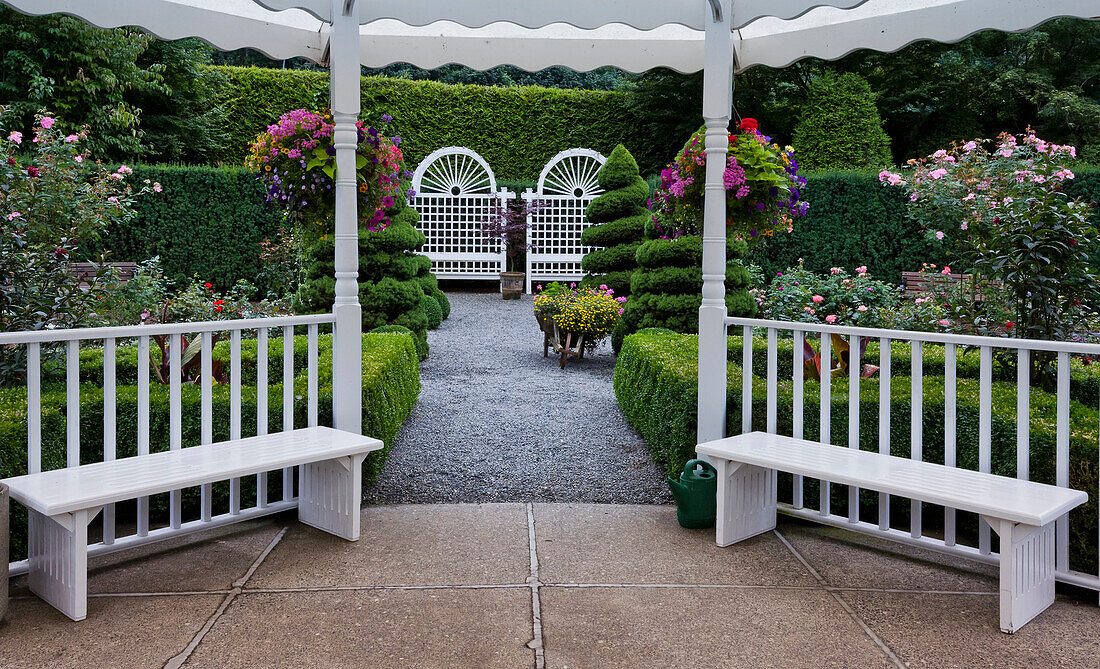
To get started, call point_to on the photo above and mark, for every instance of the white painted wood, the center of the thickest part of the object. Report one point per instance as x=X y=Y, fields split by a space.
x=175 y=420
x=206 y=367
x=746 y=379
x=72 y=403
x=1061 y=476
x=916 y=428
x=34 y=407
x=826 y=413
x=797 y=418
x=1023 y=414
x=1022 y=511
x=985 y=430
x=344 y=100
x=855 y=367
x=288 y=403
x=884 y=361
x=129 y=331
x=235 y=412
x=331 y=490
x=262 y=407
x=110 y=429
x=311 y=383
x=1025 y=502
x=746 y=501
x=566 y=185
x=143 y=426
x=70 y=490
x=950 y=399
x=57 y=550
x=772 y=399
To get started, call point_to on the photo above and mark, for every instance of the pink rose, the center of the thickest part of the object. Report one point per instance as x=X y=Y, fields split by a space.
x=944 y=321
x=862 y=307
x=830 y=318
x=47 y=122
x=16 y=137
x=939 y=234
x=818 y=299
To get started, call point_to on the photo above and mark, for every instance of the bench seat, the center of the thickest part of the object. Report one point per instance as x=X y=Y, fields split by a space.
x=1021 y=512
x=63 y=502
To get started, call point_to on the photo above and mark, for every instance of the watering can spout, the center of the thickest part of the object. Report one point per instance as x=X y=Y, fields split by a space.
x=695 y=494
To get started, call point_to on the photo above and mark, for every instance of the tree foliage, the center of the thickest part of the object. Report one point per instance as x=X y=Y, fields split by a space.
x=841 y=128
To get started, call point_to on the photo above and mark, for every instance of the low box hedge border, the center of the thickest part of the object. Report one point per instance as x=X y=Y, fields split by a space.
x=391 y=386
x=656 y=379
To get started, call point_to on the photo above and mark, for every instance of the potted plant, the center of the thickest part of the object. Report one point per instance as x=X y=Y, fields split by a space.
x=576 y=319
x=508 y=223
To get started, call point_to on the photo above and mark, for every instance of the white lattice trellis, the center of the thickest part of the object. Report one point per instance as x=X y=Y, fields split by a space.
x=455 y=192
x=567 y=184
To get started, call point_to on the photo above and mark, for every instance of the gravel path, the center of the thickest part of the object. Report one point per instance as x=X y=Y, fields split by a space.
x=497 y=422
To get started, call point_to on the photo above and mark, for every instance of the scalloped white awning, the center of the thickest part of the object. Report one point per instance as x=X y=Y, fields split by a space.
x=579 y=34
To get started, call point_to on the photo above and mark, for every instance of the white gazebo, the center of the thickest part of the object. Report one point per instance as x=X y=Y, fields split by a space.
x=720 y=37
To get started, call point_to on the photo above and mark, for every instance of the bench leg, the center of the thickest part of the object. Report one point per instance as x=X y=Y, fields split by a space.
x=746 y=501
x=1027 y=571
x=58 y=556
x=329 y=494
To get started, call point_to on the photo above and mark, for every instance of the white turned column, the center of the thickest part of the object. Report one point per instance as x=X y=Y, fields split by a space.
x=347 y=353
x=717 y=102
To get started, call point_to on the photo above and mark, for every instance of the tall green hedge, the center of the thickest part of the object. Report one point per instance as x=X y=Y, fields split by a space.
x=391 y=385
x=656 y=380
x=208 y=221
x=517 y=130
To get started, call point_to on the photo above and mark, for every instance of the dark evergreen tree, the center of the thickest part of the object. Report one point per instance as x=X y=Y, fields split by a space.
x=618 y=216
x=393 y=278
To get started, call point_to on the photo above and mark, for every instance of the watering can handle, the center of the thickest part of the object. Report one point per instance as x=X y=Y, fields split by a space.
x=691 y=464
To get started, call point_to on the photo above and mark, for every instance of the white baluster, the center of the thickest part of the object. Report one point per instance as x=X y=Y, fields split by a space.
x=34 y=408
x=288 y=403
x=773 y=381
x=1061 y=475
x=746 y=379
x=109 y=428
x=916 y=437
x=985 y=431
x=206 y=402
x=143 y=426
x=175 y=418
x=855 y=364
x=261 y=407
x=797 y=427
x=884 y=361
x=826 y=420
x=950 y=402
x=72 y=404
x=312 y=366
x=235 y=412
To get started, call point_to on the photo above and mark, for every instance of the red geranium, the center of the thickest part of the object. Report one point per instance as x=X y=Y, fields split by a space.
x=749 y=125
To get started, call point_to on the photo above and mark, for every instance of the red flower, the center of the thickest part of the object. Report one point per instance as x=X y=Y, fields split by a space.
x=208 y=285
x=1009 y=325
x=11 y=161
x=32 y=171
x=749 y=125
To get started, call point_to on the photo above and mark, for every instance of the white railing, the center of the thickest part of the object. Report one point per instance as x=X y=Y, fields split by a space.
x=75 y=340
x=951 y=541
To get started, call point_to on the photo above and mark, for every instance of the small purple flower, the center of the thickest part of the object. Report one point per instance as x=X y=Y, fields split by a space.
x=386 y=118
x=410 y=194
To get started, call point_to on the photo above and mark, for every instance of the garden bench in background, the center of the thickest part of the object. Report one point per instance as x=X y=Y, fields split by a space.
x=62 y=502
x=85 y=273
x=917 y=283
x=1021 y=512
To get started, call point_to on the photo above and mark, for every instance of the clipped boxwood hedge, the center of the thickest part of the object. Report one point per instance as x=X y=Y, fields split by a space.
x=656 y=380
x=391 y=385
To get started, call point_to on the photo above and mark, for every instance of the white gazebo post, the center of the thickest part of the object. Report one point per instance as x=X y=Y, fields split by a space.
x=717 y=103
x=347 y=349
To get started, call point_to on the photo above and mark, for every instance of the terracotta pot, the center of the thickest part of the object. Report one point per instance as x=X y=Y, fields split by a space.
x=3 y=550
x=511 y=285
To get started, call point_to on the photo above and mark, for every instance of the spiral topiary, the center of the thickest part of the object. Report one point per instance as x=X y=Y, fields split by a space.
x=393 y=278
x=618 y=216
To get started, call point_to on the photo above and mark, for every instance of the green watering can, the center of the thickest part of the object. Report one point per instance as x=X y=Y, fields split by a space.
x=695 y=494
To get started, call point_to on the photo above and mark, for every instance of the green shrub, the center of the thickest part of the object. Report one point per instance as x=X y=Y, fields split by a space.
x=444 y=303
x=391 y=385
x=432 y=310
x=421 y=343
x=516 y=129
x=618 y=218
x=656 y=385
x=209 y=223
x=842 y=128
x=393 y=278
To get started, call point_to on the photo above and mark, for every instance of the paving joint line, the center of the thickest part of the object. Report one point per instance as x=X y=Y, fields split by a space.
x=536 y=643
x=369 y=588
x=883 y=646
x=238 y=585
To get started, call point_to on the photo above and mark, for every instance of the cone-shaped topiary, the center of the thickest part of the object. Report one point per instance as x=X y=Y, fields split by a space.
x=618 y=218
x=393 y=278
x=843 y=129
x=666 y=288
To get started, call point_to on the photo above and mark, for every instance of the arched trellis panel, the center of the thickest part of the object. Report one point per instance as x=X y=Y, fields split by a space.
x=456 y=192
x=565 y=187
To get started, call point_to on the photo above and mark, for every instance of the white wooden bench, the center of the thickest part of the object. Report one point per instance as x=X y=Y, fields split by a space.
x=62 y=502
x=1022 y=513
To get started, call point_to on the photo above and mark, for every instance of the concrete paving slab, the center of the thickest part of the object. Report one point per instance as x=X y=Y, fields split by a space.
x=119 y=632
x=852 y=560
x=208 y=560
x=962 y=631
x=430 y=544
x=616 y=543
x=482 y=628
x=700 y=628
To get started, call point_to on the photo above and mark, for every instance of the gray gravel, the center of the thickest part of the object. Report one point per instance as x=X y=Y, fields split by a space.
x=497 y=422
